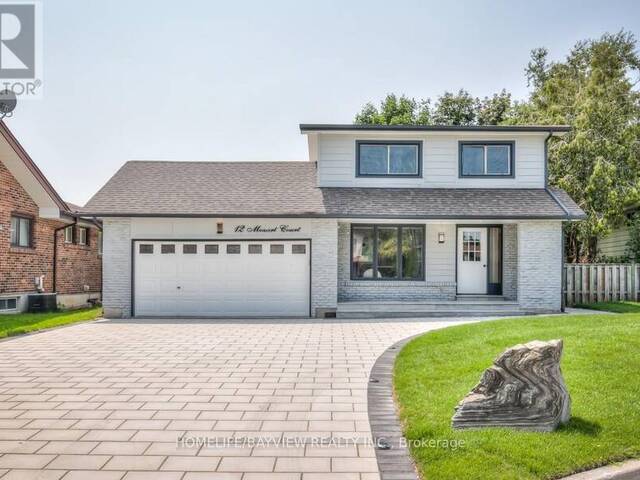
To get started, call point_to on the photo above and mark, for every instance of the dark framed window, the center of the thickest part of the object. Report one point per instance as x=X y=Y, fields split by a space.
x=167 y=248
x=189 y=248
x=21 y=229
x=146 y=248
x=276 y=248
x=299 y=249
x=255 y=249
x=387 y=252
x=388 y=159
x=210 y=249
x=233 y=248
x=487 y=159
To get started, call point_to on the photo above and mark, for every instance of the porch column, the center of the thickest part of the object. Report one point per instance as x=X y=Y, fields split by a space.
x=540 y=265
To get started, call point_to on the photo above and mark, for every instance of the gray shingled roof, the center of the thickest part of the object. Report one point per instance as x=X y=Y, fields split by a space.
x=149 y=188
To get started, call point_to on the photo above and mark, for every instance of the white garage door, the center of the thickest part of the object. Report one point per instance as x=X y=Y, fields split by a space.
x=247 y=278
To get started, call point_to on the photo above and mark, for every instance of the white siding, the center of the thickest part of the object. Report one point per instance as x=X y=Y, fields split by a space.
x=337 y=161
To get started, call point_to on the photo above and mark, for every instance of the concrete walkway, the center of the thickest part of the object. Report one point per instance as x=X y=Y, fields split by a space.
x=193 y=399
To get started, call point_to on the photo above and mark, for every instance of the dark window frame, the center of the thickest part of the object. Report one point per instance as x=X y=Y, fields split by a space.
x=210 y=250
x=28 y=218
x=374 y=263
x=143 y=251
x=6 y=301
x=254 y=249
x=483 y=143
x=417 y=143
x=169 y=246
x=277 y=245
x=186 y=247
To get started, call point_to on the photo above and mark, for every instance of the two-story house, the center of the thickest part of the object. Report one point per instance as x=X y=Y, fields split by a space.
x=382 y=220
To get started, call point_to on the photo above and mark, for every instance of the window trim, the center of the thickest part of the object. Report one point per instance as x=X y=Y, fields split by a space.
x=86 y=236
x=14 y=309
x=68 y=228
x=484 y=143
x=30 y=219
x=374 y=263
x=417 y=143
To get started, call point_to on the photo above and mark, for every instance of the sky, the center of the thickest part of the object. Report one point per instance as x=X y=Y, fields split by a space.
x=208 y=80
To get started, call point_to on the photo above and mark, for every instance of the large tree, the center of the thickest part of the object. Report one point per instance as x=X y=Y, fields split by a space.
x=598 y=163
x=594 y=89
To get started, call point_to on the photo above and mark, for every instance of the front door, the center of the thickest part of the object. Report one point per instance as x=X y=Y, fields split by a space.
x=472 y=260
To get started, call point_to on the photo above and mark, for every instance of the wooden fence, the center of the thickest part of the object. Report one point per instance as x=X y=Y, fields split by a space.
x=599 y=282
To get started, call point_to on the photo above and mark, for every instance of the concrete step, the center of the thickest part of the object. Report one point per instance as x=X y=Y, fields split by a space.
x=427 y=308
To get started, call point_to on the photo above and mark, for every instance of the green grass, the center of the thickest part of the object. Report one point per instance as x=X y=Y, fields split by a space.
x=30 y=322
x=601 y=367
x=617 y=307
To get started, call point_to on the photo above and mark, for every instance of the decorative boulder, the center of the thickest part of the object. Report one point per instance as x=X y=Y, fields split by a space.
x=523 y=389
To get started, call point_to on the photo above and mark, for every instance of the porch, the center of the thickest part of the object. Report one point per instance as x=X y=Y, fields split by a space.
x=448 y=268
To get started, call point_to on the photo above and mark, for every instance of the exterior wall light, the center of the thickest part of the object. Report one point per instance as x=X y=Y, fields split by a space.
x=440 y=237
x=220 y=227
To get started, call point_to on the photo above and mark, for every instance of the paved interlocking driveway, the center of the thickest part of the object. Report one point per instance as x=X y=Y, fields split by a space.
x=109 y=400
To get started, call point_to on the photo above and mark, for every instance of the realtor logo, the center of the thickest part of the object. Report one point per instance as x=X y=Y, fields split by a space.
x=20 y=54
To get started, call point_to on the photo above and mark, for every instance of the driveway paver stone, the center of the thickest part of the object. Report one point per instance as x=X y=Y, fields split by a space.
x=185 y=399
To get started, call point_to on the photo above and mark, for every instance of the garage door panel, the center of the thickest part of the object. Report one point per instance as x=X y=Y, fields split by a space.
x=223 y=284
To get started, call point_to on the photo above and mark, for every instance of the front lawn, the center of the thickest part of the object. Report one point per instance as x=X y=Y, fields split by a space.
x=617 y=307
x=30 y=322
x=601 y=367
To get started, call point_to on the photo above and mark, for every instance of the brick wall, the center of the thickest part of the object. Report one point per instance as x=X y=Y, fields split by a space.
x=78 y=266
x=510 y=261
x=539 y=266
x=324 y=268
x=116 y=252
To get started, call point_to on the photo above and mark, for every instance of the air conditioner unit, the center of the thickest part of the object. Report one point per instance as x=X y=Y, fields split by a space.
x=42 y=302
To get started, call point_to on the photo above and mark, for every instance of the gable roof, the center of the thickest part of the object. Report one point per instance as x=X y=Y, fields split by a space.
x=288 y=189
x=32 y=168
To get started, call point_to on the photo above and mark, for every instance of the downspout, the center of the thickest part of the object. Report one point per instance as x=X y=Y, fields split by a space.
x=55 y=249
x=562 y=252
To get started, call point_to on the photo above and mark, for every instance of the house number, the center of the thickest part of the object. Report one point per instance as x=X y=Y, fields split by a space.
x=266 y=229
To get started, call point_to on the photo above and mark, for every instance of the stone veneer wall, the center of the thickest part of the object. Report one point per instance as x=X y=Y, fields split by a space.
x=353 y=290
x=540 y=266
x=510 y=261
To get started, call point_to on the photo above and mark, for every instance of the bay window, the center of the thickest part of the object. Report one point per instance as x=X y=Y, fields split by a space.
x=387 y=252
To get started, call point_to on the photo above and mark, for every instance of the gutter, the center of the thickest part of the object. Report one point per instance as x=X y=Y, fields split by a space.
x=557 y=200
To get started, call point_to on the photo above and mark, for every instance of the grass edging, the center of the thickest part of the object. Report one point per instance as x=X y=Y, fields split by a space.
x=17 y=325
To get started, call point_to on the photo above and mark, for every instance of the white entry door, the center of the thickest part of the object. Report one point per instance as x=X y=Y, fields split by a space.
x=472 y=260
x=224 y=278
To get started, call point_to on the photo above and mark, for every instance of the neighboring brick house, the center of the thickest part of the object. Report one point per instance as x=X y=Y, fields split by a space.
x=31 y=215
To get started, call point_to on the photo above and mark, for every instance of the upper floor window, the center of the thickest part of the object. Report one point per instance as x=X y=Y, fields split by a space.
x=400 y=159
x=20 y=231
x=83 y=236
x=486 y=159
x=68 y=234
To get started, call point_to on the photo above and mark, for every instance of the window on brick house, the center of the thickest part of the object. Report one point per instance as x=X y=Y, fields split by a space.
x=83 y=236
x=68 y=234
x=20 y=231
